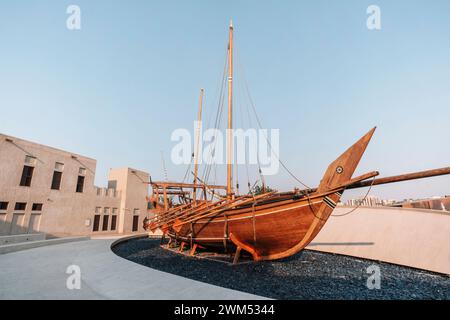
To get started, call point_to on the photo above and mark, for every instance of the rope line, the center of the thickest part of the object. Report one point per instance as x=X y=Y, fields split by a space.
x=359 y=205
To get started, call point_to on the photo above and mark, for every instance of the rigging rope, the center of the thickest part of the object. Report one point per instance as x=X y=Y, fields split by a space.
x=260 y=126
x=207 y=168
x=359 y=204
x=164 y=166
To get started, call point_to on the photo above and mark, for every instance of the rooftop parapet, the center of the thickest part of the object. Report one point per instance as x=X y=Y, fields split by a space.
x=107 y=192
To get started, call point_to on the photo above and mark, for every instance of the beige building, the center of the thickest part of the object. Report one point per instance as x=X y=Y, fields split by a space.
x=43 y=189
x=436 y=203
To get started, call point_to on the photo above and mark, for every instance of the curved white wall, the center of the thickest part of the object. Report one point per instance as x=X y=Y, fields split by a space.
x=411 y=237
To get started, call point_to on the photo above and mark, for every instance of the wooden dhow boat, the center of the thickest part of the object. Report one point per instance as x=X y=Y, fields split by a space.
x=268 y=225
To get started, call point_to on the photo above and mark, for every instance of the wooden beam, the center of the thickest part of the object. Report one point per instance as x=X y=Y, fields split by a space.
x=171 y=185
x=166 y=201
x=194 y=248
x=402 y=177
x=237 y=255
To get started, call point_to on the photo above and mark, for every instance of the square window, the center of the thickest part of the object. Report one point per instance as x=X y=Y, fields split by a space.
x=82 y=171
x=112 y=184
x=136 y=211
x=106 y=210
x=3 y=205
x=98 y=209
x=20 y=206
x=59 y=166
x=36 y=207
x=114 y=210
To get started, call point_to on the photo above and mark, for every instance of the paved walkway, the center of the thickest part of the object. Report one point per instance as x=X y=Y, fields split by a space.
x=40 y=273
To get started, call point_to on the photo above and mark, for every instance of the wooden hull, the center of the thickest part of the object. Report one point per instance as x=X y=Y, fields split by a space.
x=271 y=226
x=271 y=231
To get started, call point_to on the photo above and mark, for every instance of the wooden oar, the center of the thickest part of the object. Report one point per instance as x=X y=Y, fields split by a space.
x=179 y=211
x=169 y=212
x=228 y=206
x=220 y=206
x=169 y=219
x=195 y=209
x=202 y=207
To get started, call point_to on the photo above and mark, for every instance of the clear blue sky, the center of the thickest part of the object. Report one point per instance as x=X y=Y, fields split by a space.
x=116 y=89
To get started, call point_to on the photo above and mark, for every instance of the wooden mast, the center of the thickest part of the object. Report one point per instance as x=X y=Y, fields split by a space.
x=196 y=149
x=230 y=115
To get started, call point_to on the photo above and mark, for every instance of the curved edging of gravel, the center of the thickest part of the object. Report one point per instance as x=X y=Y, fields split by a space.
x=128 y=238
x=306 y=275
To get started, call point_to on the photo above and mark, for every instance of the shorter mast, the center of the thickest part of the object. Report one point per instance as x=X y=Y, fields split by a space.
x=197 y=145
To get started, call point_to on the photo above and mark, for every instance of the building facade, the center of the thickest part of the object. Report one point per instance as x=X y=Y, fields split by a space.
x=43 y=189
x=437 y=203
x=370 y=201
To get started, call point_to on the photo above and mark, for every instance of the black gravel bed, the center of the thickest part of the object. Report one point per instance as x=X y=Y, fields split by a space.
x=306 y=275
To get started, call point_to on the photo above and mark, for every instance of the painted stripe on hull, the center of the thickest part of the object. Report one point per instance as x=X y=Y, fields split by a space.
x=329 y=202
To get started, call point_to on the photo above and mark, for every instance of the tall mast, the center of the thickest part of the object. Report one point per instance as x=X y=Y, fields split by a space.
x=230 y=114
x=196 y=149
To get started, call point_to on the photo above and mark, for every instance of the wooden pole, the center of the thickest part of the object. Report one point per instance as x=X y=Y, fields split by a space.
x=196 y=149
x=166 y=202
x=402 y=177
x=230 y=115
x=380 y=181
x=226 y=206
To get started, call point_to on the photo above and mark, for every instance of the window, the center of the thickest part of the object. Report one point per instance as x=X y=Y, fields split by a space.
x=27 y=174
x=97 y=209
x=106 y=210
x=113 y=222
x=36 y=207
x=112 y=184
x=59 y=166
x=56 y=180
x=96 y=222
x=80 y=184
x=20 y=206
x=82 y=171
x=3 y=205
x=30 y=160
x=105 y=223
x=114 y=210
x=135 y=223
x=136 y=211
